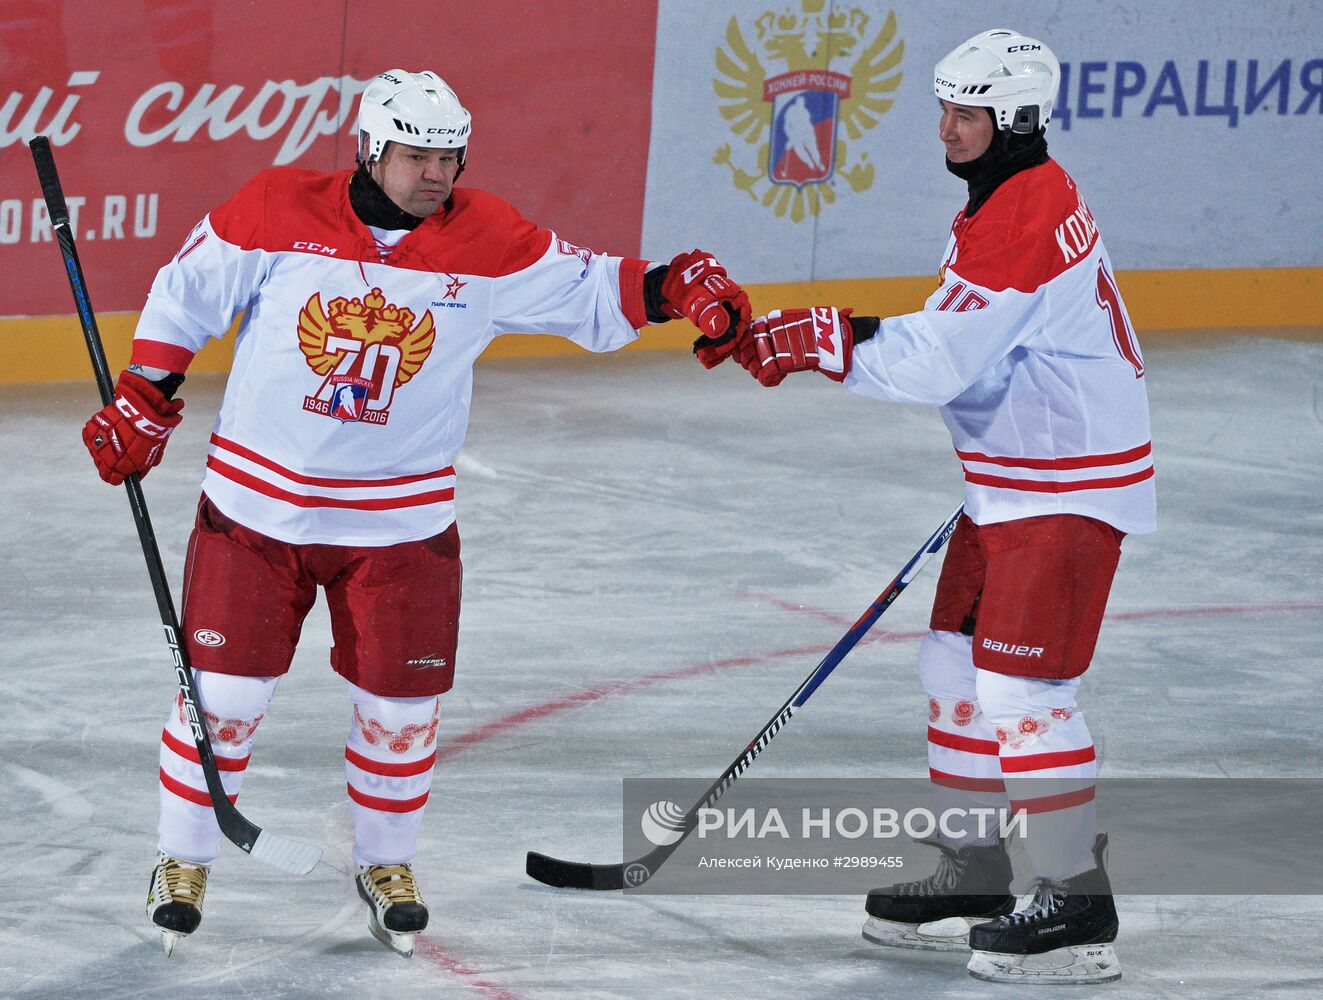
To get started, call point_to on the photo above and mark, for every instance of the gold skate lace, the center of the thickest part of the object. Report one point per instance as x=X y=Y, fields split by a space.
x=184 y=882
x=395 y=883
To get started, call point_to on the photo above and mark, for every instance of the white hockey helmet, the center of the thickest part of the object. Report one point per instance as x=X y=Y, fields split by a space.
x=1013 y=75
x=417 y=109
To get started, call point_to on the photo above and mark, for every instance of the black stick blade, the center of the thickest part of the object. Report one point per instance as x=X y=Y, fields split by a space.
x=573 y=874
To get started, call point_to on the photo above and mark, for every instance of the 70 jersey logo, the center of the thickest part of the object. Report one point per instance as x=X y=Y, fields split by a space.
x=364 y=349
x=361 y=385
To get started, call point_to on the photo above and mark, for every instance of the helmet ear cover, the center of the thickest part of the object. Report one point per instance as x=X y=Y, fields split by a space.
x=1026 y=120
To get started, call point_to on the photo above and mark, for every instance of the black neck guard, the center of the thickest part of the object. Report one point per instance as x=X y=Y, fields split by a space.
x=373 y=207
x=1009 y=153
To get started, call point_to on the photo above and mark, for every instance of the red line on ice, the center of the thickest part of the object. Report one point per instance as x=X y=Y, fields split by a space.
x=437 y=955
x=587 y=696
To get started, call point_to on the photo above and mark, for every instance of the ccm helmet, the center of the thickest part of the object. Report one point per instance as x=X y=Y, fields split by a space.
x=417 y=109
x=1014 y=76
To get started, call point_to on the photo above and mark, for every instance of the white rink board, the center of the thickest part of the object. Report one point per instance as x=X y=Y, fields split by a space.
x=1169 y=190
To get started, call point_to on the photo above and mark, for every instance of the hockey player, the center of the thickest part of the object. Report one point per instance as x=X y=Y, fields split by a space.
x=367 y=295
x=1027 y=349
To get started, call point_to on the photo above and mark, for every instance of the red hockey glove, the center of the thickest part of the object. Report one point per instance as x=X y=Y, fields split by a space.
x=697 y=287
x=797 y=340
x=129 y=434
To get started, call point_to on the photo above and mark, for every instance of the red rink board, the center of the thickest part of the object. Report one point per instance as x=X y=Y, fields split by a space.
x=562 y=106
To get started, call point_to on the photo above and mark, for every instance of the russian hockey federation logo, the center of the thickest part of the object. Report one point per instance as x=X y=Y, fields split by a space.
x=365 y=349
x=796 y=117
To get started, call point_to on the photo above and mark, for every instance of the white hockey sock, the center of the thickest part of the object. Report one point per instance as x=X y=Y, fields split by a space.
x=389 y=757
x=233 y=708
x=962 y=746
x=1049 y=765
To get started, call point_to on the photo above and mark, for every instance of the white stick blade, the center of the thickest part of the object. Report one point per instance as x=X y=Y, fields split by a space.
x=289 y=854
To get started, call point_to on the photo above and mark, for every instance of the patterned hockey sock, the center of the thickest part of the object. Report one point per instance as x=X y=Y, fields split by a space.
x=233 y=708
x=389 y=757
x=963 y=760
x=1049 y=765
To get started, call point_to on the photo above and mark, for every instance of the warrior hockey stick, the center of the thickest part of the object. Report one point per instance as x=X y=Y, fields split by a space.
x=286 y=853
x=582 y=875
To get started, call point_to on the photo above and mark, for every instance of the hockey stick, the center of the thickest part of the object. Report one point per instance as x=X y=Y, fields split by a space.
x=286 y=853
x=582 y=875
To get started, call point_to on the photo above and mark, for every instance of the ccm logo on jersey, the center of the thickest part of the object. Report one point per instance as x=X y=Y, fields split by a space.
x=993 y=646
x=316 y=248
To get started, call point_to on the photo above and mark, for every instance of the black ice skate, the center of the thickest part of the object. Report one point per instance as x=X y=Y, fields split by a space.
x=970 y=884
x=174 y=898
x=1064 y=935
x=398 y=912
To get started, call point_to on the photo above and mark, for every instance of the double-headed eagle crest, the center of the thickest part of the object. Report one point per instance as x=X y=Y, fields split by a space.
x=795 y=117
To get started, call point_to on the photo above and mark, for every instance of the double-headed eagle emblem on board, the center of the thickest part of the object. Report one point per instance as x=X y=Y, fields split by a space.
x=834 y=74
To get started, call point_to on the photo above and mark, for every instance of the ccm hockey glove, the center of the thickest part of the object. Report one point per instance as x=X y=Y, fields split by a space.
x=697 y=288
x=797 y=340
x=129 y=434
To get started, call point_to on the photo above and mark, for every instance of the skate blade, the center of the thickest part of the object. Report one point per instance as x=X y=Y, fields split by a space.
x=168 y=940
x=950 y=934
x=1084 y=964
x=399 y=942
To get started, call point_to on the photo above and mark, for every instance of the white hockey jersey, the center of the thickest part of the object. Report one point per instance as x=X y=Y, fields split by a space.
x=349 y=395
x=1028 y=350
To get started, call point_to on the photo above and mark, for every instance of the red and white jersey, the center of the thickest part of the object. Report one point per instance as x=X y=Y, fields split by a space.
x=1028 y=350
x=349 y=395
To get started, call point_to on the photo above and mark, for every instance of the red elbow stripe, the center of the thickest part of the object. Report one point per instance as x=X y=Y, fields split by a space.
x=387 y=805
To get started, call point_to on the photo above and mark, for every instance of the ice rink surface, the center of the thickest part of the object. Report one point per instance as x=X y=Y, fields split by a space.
x=632 y=518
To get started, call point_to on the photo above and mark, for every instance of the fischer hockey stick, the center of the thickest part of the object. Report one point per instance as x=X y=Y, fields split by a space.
x=286 y=853
x=582 y=875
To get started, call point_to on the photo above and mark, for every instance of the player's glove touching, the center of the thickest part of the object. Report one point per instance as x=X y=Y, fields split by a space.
x=797 y=340
x=129 y=434
x=697 y=288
